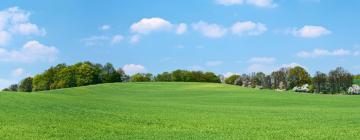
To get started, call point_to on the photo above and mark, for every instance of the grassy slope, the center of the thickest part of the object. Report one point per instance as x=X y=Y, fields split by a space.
x=177 y=111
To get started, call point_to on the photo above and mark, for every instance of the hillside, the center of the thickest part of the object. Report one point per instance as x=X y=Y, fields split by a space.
x=177 y=111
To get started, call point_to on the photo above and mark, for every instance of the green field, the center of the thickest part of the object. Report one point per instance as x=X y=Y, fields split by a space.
x=177 y=111
x=357 y=81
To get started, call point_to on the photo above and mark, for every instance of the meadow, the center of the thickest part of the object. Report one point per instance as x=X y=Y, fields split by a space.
x=160 y=110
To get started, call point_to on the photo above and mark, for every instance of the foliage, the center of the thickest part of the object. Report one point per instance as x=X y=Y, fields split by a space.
x=187 y=76
x=298 y=76
x=26 y=85
x=141 y=77
x=340 y=80
x=231 y=79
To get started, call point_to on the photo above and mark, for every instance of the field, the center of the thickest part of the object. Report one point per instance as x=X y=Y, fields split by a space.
x=357 y=81
x=177 y=111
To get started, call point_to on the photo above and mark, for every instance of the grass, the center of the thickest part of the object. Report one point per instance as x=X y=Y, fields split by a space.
x=357 y=81
x=177 y=111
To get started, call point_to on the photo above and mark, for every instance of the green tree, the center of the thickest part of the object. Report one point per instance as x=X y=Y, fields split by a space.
x=164 y=77
x=320 y=82
x=109 y=74
x=13 y=87
x=141 y=77
x=26 y=85
x=231 y=79
x=340 y=80
x=85 y=75
x=298 y=76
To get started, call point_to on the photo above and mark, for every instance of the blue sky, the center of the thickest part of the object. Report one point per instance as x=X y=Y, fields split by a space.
x=223 y=36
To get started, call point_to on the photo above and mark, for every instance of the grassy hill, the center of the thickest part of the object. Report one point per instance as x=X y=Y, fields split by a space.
x=177 y=111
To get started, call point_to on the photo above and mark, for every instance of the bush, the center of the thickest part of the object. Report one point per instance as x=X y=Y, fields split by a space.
x=303 y=88
x=354 y=89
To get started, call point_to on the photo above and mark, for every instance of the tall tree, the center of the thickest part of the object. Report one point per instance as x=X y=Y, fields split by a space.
x=320 y=82
x=340 y=80
x=26 y=85
x=298 y=76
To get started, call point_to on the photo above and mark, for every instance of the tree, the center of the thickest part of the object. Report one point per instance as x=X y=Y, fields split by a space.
x=211 y=77
x=141 y=77
x=109 y=74
x=85 y=75
x=164 y=77
x=66 y=78
x=259 y=79
x=13 y=87
x=298 y=77
x=178 y=76
x=26 y=85
x=231 y=79
x=279 y=77
x=340 y=80
x=320 y=82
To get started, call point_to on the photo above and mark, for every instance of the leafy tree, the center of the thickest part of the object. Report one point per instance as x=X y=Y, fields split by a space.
x=298 y=76
x=320 y=82
x=340 y=80
x=109 y=74
x=259 y=79
x=178 y=76
x=13 y=87
x=211 y=77
x=66 y=78
x=164 y=77
x=231 y=79
x=141 y=77
x=26 y=85
x=279 y=77
x=85 y=75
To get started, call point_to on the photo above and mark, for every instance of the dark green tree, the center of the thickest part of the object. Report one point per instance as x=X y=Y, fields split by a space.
x=26 y=85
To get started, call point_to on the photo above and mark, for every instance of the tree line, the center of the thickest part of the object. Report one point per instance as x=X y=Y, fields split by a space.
x=288 y=78
x=87 y=73
x=298 y=79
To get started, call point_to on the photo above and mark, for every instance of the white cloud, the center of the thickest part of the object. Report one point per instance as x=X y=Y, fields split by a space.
x=259 y=68
x=230 y=2
x=105 y=27
x=4 y=38
x=291 y=65
x=18 y=72
x=261 y=64
x=135 y=39
x=213 y=63
x=131 y=69
x=117 y=39
x=262 y=3
x=262 y=60
x=257 y=3
x=248 y=28
x=96 y=40
x=148 y=25
x=102 y=40
x=181 y=28
x=32 y=51
x=16 y=21
x=323 y=52
x=210 y=30
x=28 y=29
x=228 y=74
x=310 y=31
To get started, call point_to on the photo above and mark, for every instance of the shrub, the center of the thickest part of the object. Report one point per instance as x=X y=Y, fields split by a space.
x=354 y=89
